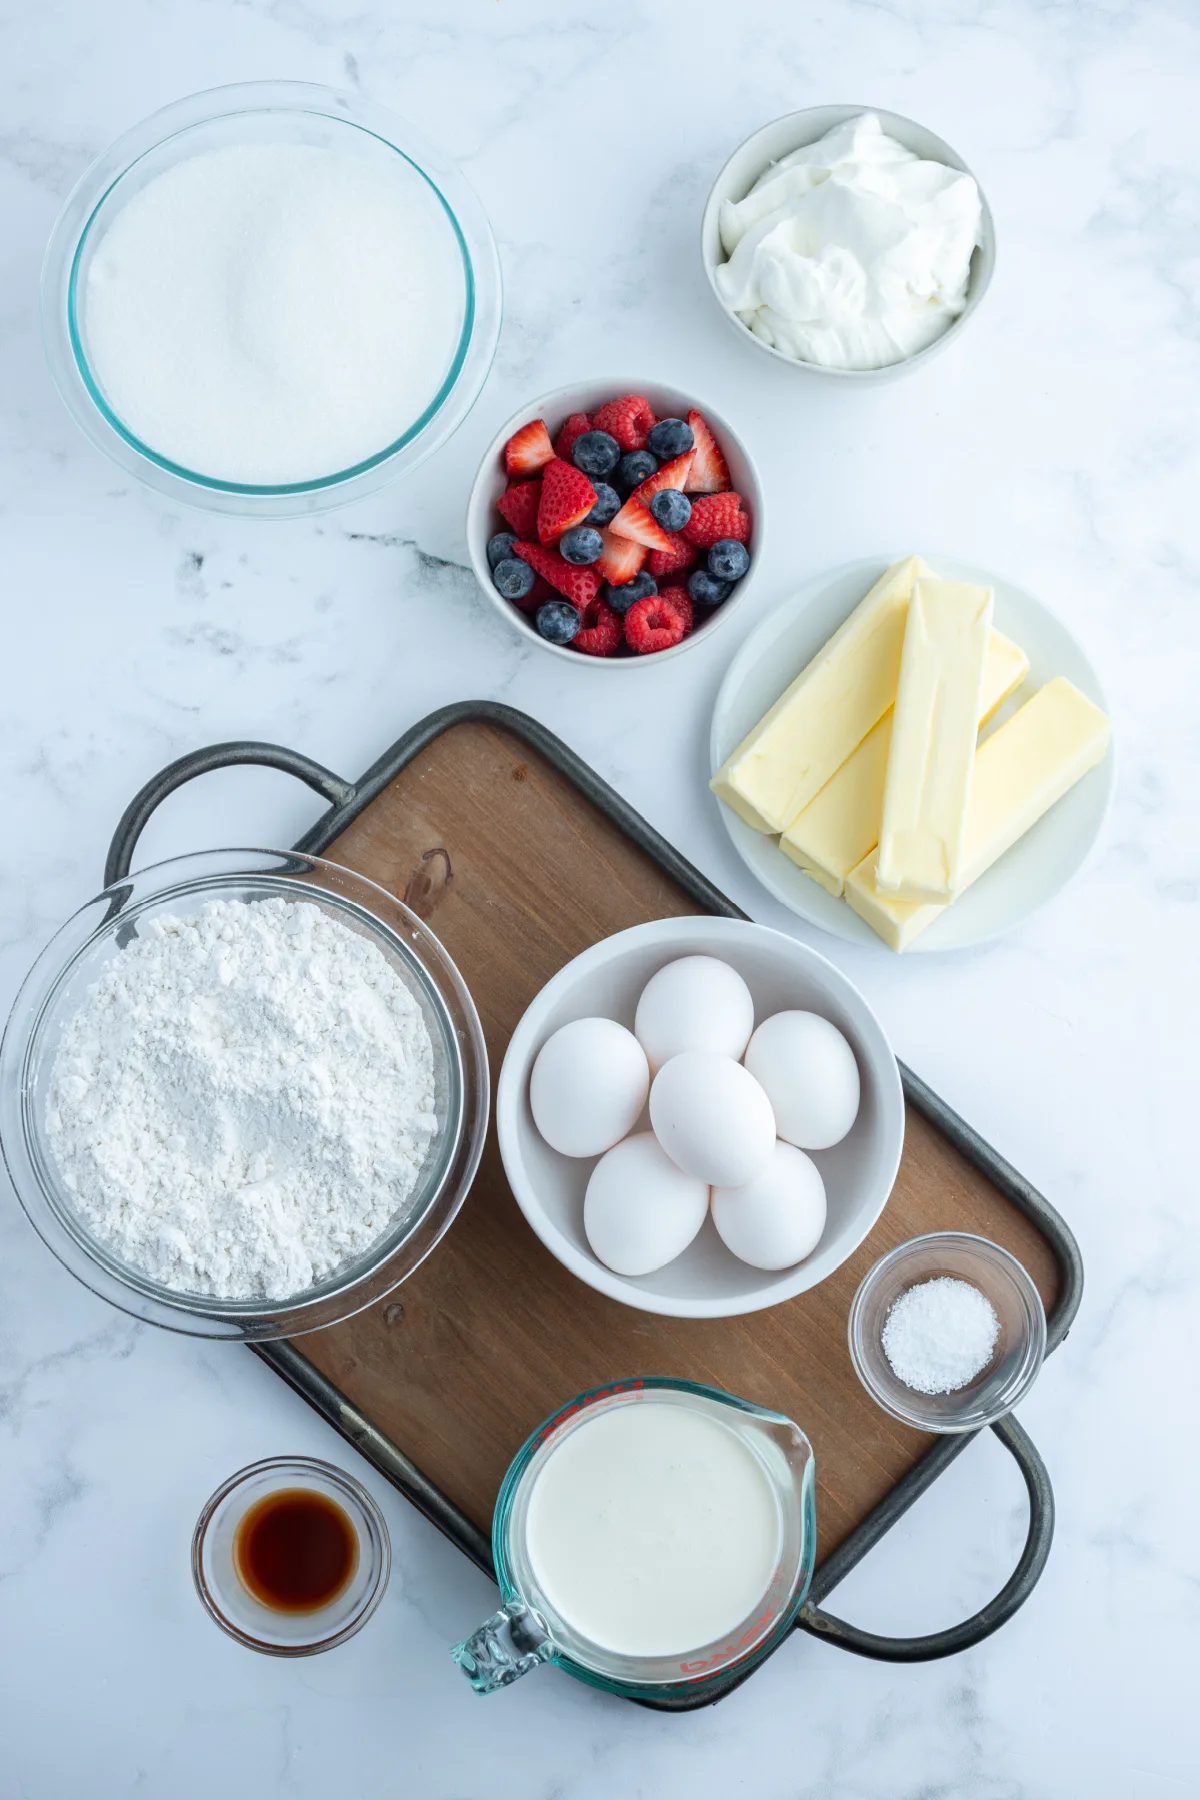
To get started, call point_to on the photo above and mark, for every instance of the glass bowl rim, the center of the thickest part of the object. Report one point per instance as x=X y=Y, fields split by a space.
x=986 y=1252
x=346 y=1291
x=69 y=365
x=378 y=1539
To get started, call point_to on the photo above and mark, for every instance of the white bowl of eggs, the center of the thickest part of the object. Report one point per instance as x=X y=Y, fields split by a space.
x=700 y=1117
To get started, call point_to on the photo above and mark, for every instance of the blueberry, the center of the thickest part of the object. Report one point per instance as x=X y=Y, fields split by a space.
x=557 y=621
x=596 y=453
x=671 y=508
x=500 y=548
x=622 y=598
x=608 y=504
x=581 y=544
x=513 y=578
x=634 y=467
x=728 y=560
x=705 y=591
x=670 y=437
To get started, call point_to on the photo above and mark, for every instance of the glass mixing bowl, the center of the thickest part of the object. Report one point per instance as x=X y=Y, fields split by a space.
x=262 y=112
x=72 y=961
x=1020 y=1345
x=228 y=1600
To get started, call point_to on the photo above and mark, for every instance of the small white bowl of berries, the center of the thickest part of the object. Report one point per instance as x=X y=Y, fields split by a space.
x=615 y=521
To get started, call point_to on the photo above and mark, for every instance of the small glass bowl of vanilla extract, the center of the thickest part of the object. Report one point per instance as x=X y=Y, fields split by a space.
x=291 y=1556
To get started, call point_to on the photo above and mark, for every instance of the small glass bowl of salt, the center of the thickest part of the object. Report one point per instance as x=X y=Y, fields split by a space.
x=947 y=1332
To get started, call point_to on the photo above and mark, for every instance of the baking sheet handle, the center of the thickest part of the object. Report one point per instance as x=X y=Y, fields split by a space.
x=989 y=1618
x=199 y=762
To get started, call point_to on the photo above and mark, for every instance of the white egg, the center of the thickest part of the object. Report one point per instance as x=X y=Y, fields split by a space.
x=588 y=1086
x=777 y=1219
x=697 y=1003
x=641 y=1211
x=712 y=1118
x=809 y=1074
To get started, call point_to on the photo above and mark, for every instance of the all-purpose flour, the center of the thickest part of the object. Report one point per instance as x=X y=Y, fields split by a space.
x=244 y=1100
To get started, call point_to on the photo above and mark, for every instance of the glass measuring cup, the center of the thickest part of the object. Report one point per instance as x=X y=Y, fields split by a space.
x=529 y=1629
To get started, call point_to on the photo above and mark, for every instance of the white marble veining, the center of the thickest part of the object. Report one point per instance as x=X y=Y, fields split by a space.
x=1056 y=441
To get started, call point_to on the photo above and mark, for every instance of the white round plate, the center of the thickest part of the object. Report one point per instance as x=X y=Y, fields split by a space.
x=1034 y=869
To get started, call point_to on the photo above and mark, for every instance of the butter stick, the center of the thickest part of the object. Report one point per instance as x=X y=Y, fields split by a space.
x=1026 y=765
x=934 y=727
x=826 y=713
x=841 y=826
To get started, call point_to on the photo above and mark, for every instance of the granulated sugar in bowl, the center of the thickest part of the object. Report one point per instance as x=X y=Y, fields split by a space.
x=270 y=298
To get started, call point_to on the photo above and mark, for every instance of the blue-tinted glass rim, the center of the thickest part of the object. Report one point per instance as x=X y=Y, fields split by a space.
x=285 y=489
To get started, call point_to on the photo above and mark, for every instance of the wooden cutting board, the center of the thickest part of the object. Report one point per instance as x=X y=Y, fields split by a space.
x=517 y=873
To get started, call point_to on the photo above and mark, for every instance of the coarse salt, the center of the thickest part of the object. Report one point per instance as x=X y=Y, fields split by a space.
x=939 y=1335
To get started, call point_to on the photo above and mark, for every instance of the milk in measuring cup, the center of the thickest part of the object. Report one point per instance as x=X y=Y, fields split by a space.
x=653 y=1529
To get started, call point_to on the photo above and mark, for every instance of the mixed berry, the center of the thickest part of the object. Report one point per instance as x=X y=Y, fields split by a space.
x=622 y=532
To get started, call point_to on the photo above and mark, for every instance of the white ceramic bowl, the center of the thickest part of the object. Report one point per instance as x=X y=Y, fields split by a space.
x=779 y=139
x=483 y=521
x=707 y=1281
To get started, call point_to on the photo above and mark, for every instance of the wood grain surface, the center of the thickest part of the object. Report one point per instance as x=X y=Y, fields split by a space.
x=517 y=873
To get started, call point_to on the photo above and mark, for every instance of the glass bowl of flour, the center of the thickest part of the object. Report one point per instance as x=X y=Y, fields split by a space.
x=243 y=1093
x=270 y=299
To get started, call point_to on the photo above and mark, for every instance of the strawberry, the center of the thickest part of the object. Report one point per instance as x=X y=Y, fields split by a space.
x=519 y=507
x=574 y=428
x=529 y=449
x=680 y=556
x=628 y=420
x=620 y=559
x=637 y=522
x=655 y=623
x=714 y=516
x=539 y=592
x=577 y=585
x=601 y=633
x=567 y=499
x=710 y=473
x=681 y=600
x=673 y=474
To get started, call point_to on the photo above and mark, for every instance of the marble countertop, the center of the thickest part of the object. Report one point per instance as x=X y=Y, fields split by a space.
x=1056 y=442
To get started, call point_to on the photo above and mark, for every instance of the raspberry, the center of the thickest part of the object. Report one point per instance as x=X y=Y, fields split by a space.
x=717 y=516
x=600 y=634
x=680 y=556
x=577 y=585
x=629 y=420
x=519 y=507
x=682 y=601
x=655 y=623
x=574 y=428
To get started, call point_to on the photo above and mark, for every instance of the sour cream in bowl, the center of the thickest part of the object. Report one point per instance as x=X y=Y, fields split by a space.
x=848 y=241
